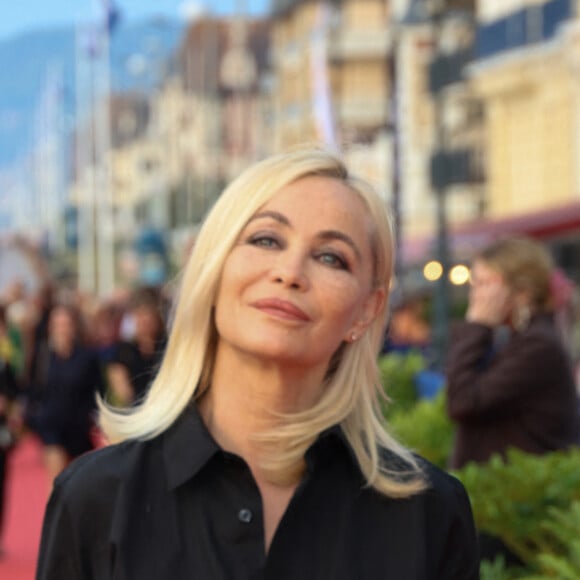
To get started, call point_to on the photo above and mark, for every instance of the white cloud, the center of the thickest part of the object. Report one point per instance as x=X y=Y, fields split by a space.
x=190 y=10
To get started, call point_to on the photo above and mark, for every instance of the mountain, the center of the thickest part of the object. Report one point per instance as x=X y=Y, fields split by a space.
x=34 y=60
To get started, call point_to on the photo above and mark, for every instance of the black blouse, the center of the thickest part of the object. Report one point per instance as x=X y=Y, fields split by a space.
x=70 y=386
x=179 y=507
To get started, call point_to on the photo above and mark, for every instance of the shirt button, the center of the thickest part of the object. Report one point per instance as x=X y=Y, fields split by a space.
x=245 y=516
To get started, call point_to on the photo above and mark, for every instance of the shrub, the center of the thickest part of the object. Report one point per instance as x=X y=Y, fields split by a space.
x=420 y=424
x=398 y=371
x=496 y=570
x=532 y=503
x=426 y=429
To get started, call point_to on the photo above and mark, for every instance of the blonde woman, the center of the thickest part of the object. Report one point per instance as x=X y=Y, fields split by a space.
x=260 y=450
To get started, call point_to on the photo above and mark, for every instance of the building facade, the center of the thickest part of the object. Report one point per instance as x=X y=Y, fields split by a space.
x=526 y=73
x=332 y=80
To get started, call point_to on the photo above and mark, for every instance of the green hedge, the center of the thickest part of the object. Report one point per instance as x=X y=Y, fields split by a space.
x=422 y=424
x=397 y=373
x=530 y=502
x=426 y=429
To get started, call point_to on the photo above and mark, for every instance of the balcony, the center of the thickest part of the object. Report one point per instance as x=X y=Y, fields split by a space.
x=289 y=57
x=362 y=113
x=456 y=167
x=353 y=44
x=448 y=69
x=530 y=25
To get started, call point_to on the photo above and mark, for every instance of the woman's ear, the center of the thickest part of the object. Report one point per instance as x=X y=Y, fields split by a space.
x=371 y=307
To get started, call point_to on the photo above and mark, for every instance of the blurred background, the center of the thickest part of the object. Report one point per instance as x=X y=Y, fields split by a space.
x=120 y=123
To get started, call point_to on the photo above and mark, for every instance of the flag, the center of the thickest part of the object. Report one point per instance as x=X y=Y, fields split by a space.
x=321 y=89
x=111 y=15
x=93 y=36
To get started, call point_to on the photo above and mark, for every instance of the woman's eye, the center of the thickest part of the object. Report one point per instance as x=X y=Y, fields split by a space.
x=264 y=241
x=333 y=260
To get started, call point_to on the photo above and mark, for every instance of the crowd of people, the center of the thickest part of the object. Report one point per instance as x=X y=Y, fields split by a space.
x=58 y=351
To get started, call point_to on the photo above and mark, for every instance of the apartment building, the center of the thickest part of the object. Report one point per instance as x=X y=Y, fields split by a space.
x=526 y=72
x=221 y=123
x=362 y=75
x=166 y=155
x=332 y=80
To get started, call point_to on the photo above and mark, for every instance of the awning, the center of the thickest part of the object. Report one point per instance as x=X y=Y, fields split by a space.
x=542 y=224
x=464 y=240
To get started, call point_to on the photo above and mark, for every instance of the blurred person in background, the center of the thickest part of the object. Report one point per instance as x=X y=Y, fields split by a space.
x=14 y=300
x=133 y=362
x=62 y=401
x=8 y=392
x=260 y=450
x=510 y=382
x=105 y=321
x=408 y=326
x=40 y=304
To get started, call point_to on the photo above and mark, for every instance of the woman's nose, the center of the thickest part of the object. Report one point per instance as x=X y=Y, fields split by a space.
x=290 y=270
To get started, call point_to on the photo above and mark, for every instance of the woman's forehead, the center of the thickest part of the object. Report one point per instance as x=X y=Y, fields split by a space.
x=320 y=199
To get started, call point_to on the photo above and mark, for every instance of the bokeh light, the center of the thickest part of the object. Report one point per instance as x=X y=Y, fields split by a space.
x=459 y=275
x=433 y=270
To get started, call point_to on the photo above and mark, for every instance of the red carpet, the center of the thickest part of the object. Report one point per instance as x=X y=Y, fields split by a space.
x=26 y=497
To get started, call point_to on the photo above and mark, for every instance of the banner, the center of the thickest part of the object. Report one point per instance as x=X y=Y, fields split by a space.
x=321 y=89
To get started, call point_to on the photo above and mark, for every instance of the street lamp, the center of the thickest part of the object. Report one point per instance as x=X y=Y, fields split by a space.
x=432 y=12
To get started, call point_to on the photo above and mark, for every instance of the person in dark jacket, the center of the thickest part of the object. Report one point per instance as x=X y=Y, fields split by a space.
x=8 y=393
x=133 y=363
x=63 y=402
x=260 y=450
x=510 y=382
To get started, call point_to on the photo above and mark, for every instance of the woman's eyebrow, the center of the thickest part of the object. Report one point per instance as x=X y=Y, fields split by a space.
x=324 y=235
x=337 y=235
x=275 y=215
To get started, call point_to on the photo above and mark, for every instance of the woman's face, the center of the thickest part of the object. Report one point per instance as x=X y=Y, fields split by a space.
x=146 y=321
x=62 y=327
x=490 y=291
x=482 y=275
x=298 y=282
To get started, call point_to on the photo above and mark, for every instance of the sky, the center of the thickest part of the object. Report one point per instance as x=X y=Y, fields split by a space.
x=23 y=15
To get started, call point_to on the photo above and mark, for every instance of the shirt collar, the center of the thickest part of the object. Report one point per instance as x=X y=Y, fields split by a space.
x=328 y=443
x=187 y=447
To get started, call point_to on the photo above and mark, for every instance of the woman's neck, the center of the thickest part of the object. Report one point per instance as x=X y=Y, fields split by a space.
x=243 y=401
x=246 y=395
x=63 y=349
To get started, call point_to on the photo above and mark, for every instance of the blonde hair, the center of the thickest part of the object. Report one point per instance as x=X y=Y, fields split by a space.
x=525 y=265
x=353 y=386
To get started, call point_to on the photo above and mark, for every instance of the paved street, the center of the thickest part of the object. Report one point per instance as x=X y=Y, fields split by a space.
x=27 y=492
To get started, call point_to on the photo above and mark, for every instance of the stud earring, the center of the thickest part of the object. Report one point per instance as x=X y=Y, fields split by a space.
x=353 y=337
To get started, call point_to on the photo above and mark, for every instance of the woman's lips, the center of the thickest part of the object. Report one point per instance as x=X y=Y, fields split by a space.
x=281 y=309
